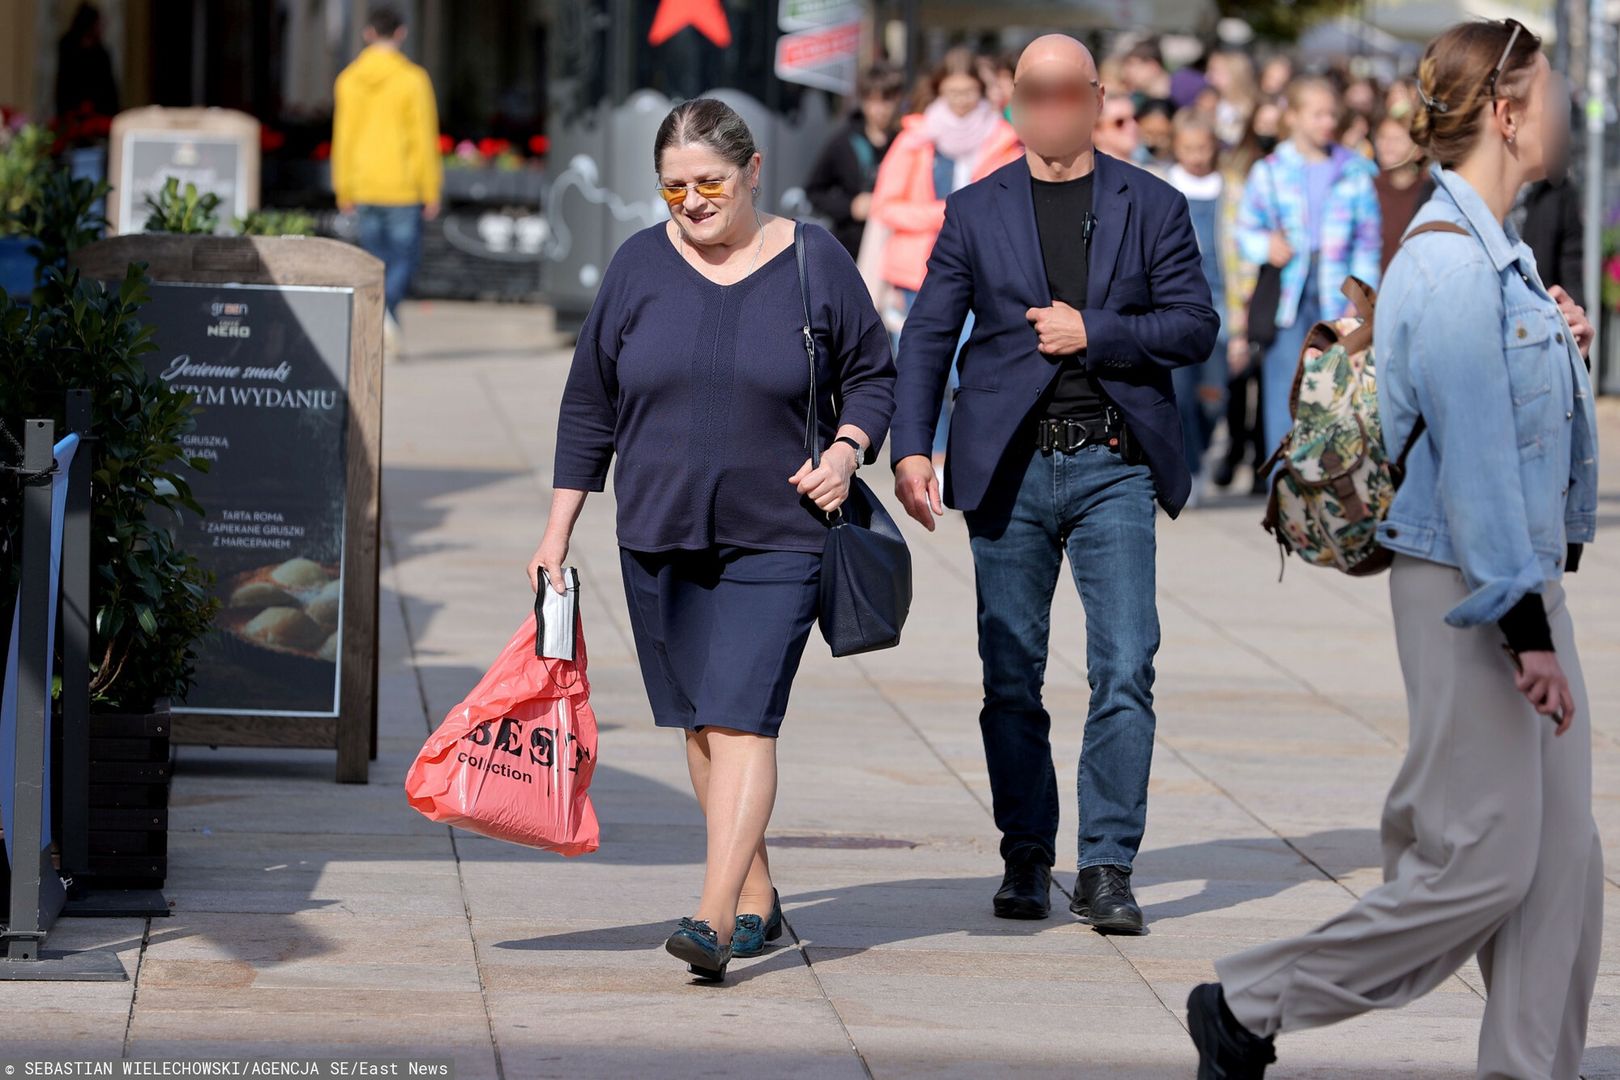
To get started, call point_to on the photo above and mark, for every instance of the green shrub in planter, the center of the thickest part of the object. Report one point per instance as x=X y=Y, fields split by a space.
x=24 y=159
x=150 y=601
x=66 y=216
x=276 y=223
x=189 y=211
x=24 y=164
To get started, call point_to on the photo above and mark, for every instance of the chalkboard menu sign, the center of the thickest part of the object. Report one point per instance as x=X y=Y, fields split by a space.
x=216 y=149
x=279 y=340
x=267 y=365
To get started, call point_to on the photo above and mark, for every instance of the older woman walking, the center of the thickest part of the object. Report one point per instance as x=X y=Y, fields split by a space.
x=691 y=369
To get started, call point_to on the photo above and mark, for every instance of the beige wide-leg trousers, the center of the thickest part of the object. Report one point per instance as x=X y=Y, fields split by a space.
x=1490 y=850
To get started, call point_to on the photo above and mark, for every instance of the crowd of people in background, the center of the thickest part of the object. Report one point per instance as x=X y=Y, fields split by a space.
x=1295 y=179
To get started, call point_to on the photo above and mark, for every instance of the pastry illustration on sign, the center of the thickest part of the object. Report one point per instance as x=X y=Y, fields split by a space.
x=289 y=607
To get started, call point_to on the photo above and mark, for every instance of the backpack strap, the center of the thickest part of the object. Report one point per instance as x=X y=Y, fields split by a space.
x=1433 y=226
x=1418 y=429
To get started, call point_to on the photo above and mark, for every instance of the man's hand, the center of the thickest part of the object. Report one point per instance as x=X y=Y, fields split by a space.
x=430 y=210
x=1061 y=329
x=1237 y=355
x=860 y=207
x=916 y=485
x=346 y=208
x=1575 y=315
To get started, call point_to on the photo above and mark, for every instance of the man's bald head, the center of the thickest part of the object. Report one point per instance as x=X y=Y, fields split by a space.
x=1056 y=96
x=1056 y=56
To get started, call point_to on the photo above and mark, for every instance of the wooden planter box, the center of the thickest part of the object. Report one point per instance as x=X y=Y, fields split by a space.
x=131 y=766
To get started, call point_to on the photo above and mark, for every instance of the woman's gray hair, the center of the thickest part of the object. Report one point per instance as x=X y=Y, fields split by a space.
x=705 y=122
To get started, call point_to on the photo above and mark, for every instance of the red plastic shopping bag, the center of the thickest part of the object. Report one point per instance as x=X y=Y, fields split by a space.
x=513 y=761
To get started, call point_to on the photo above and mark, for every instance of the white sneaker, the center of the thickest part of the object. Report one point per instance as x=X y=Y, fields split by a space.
x=391 y=335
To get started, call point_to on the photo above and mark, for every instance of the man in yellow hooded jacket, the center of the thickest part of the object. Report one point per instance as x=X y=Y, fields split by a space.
x=385 y=151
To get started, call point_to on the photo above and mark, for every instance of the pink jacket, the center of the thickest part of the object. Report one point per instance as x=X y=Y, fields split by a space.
x=903 y=197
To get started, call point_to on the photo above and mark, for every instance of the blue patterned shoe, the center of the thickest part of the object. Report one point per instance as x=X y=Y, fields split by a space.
x=696 y=942
x=753 y=932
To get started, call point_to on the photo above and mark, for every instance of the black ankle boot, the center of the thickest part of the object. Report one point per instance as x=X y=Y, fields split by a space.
x=1103 y=898
x=1226 y=1049
x=1026 y=888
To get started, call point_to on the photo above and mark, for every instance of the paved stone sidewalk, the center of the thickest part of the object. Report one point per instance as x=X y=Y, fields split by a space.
x=310 y=917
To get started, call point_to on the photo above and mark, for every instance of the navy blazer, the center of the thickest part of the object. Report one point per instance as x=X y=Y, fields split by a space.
x=1148 y=310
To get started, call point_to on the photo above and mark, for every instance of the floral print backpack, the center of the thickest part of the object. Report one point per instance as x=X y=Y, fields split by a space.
x=1332 y=480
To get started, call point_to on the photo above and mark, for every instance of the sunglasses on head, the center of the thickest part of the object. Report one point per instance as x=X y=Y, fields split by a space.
x=1438 y=106
x=675 y=194
x=1072 y=92
x=1501 y=65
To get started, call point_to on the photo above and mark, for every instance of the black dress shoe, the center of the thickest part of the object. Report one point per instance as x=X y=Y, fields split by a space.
x=1226 y=1049
x=1026 y=889
x=1102 y=898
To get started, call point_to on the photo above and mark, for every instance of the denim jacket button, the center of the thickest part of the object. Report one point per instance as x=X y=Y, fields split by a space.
x=1569 y=416
x=1393 y=533
x=1560 y=337
x=1523 y=333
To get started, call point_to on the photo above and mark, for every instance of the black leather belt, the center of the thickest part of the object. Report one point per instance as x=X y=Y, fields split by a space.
x=1068 y=436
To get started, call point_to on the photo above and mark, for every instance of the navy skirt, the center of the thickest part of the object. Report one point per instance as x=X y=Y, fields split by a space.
x=720 y=632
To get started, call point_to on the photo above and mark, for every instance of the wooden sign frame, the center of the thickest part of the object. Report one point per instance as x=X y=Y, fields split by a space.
x=205 y=122
x=298 y=261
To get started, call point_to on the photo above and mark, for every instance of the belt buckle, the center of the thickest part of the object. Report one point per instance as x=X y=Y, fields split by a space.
x=1075 y=435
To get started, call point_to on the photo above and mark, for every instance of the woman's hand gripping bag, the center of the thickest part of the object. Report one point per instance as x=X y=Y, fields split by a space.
x=513 y=761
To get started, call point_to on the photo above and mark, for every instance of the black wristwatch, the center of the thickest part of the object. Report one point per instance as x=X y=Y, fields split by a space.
x=860 y=451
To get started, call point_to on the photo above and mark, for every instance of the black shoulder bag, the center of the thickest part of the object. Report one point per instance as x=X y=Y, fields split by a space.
x=865 y=565
x=1267 y=295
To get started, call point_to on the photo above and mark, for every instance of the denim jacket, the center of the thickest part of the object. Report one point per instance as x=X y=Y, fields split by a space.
x=1505 y=477
x=1350 y=232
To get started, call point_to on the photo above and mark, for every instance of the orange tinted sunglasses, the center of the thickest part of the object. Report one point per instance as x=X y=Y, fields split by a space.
x=709 y=189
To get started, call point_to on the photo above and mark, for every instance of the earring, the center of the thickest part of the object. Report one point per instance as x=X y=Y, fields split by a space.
x=754 y=192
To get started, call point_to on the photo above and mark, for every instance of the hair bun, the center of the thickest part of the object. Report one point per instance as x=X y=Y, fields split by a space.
x=1422 y=114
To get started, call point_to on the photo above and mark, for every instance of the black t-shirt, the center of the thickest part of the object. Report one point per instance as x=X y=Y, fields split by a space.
x=1062 y=209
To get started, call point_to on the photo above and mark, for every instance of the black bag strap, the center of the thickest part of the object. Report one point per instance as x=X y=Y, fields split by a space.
x=1422 y=425
x=812 y=422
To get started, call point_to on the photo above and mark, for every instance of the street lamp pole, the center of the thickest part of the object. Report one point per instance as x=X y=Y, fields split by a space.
x=1597 y=73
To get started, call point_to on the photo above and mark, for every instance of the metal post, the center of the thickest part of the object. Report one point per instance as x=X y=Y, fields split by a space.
x=37 y=895
x=1597 y=72
x=1561 y=44
x=75 y=758
x=908 y=13
x=25 y=933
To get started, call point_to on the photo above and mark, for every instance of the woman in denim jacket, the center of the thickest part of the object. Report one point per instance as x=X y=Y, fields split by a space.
x=1490 y=849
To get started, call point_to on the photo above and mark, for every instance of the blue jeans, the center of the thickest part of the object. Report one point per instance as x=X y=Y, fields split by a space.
x=1100 y=510
x=1281 y=363
x=942 y=430
x=394 y=235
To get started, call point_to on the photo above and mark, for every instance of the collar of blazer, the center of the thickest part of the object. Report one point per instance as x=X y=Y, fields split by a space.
x=1110 y=205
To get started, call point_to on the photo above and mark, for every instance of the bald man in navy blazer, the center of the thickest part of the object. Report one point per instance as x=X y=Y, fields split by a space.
x=1084 y=279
